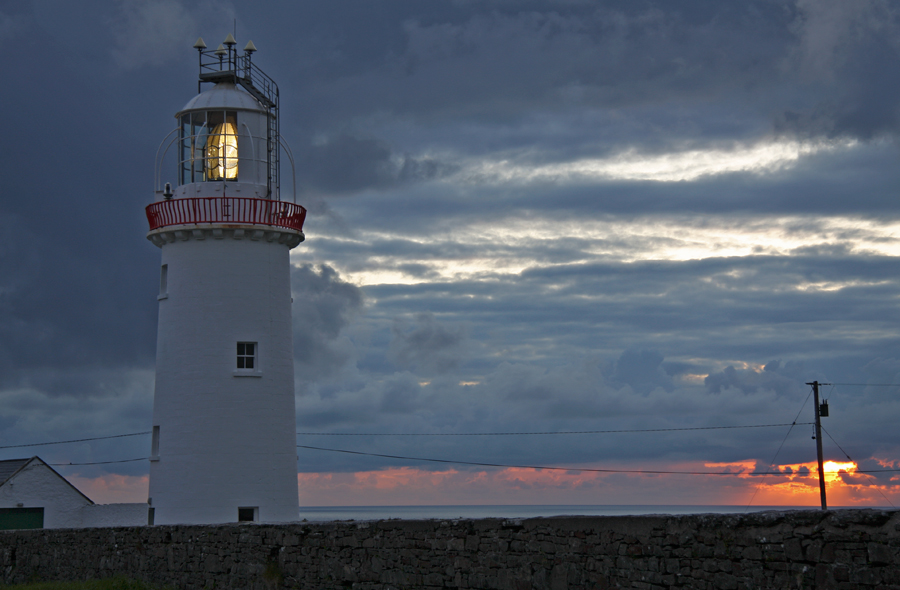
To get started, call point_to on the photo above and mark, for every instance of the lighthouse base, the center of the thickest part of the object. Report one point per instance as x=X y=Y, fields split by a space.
x=224 y=426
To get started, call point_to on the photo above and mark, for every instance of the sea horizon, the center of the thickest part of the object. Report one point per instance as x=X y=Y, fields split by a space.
x=477 y=511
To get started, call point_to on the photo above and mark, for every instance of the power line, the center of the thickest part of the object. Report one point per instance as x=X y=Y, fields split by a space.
x=479 y=464
x=863 y=472
x=508 y=465
x=93 y=438
x=62 y=442
x=647 y=471
x=869 y=384
x=542 y=433
x=836 y=444
x=98 y=462
x=644 y=471
x=784 y=440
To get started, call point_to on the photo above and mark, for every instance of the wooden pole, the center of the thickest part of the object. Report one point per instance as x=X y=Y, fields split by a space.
x=815 y=386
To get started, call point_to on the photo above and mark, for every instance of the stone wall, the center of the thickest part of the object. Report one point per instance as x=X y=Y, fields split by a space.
x=809 y=549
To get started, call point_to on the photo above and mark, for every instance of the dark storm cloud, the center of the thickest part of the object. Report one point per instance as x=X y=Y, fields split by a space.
x=569 y=397
x=652 y=76
x=819 y=187
x=323 y=306
x=62 y=313
x=763 y=288
x=725 y=308
x=427 y=344
x=78 y=404
x=151 y=33
x=77 y=273
x=499 y=57
x=851 y=50
x=642 y=370
x=349 y=164
x=749 y=381
x=601 y=390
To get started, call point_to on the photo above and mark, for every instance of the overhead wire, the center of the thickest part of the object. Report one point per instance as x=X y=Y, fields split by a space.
x=77 y=440
x=870 y=384
x=97 y=462
x=112 y=436
x=542 y=433
x=846 y=454
x=552 y=468
x=866 y=473
x=781 y=446
x=523 y=433
x=62 y=442
x=836 y=443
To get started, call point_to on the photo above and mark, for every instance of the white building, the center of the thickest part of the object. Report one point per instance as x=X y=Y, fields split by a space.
x=33 y=496
x=224 y=443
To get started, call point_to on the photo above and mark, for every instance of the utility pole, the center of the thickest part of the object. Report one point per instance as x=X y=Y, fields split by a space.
x=815 y=386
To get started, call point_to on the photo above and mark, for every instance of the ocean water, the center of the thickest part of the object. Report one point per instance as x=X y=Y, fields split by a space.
x=331 y=513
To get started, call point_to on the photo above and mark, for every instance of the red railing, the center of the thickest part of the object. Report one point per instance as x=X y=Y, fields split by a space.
x=226 y=210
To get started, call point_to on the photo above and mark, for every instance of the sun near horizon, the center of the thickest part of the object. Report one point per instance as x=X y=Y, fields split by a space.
x=797 y=485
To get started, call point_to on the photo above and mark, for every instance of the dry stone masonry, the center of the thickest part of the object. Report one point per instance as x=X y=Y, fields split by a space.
x=844 y=549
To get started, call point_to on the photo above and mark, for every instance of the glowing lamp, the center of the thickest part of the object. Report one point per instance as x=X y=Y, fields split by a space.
x=222 y=152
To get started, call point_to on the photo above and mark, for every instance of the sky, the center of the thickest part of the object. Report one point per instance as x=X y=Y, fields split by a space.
x=556 y=216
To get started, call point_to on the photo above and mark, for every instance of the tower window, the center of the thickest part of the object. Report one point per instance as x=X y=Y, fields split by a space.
x=154 y=445
x=246 y=355
x=248 y=514
x=163 y=281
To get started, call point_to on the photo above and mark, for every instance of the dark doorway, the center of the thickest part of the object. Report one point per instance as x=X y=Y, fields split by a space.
x=21 y=518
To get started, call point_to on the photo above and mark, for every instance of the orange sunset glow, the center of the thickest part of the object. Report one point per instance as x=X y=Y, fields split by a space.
x=112 y=488
x=796 y=486
x=800 y=485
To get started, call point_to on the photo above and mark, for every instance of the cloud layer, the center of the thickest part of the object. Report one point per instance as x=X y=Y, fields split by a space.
x=524 y=217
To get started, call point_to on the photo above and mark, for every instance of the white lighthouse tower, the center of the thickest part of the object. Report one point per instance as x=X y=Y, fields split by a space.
x=224 y=443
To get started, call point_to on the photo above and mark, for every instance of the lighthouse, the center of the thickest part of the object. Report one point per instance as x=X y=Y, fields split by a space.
x=223 y=442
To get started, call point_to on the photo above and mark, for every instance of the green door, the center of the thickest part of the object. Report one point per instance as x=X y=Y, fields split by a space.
x=21 y=518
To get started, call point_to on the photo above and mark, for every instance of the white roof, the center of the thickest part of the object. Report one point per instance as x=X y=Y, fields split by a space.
x=11 y=467
x=223 y=95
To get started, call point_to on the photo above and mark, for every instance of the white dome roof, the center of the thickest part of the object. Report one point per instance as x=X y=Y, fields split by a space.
x=223 y=95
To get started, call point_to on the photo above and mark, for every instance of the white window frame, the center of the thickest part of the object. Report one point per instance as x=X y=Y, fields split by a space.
x=245 y=372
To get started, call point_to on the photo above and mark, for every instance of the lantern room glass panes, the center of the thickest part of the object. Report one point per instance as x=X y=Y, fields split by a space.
x=209 y=146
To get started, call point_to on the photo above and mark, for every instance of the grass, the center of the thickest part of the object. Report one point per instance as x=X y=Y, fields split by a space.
x=105 y=584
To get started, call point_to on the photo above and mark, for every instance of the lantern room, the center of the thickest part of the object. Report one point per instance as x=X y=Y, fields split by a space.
x=227 y=147
x=222 y=137
x=227 y=139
